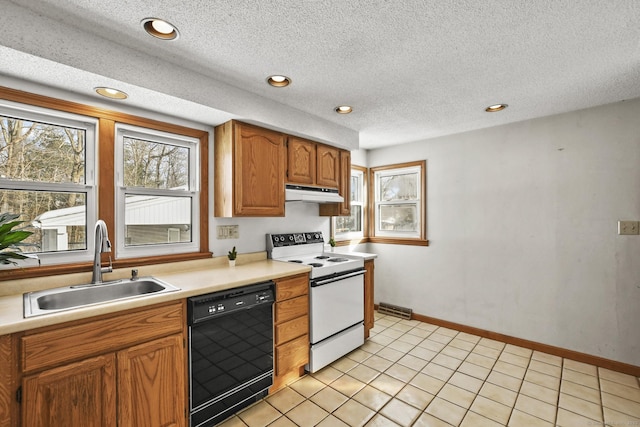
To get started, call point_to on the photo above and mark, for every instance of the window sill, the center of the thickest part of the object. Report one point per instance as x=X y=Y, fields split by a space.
x=399 y=241
x=53 y=270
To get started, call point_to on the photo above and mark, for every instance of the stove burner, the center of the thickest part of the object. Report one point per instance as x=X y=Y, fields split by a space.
x=315 y=264
x=296 y=260
x=338 y=259
x=323 y=257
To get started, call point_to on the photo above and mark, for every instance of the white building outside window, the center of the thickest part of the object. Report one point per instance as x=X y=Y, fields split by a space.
x=157 y=192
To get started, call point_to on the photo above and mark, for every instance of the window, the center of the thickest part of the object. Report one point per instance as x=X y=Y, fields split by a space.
x=353 y=226
x=399 y=205
x=157 y=192
x=47 y=175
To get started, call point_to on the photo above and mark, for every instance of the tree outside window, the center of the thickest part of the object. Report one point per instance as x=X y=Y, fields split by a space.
x=46 y=176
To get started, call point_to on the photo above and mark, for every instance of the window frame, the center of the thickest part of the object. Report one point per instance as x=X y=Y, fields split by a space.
x=88 y=187
x=375 y=235
x=104 y=176
x=356 y=237
x=123 y=131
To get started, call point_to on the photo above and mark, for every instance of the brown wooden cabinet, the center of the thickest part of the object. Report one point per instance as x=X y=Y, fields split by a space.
x=125 y=369
x=312 y=163
x=250 y=164
x=368 y=297
x=301 y=161
x=291 y=329
x=328 y=172
x=150 y=373
x=78 y=394
x=344 y=208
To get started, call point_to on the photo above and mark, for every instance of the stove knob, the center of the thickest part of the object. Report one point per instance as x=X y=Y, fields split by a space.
x=308 y=236
x=291 y=238
x=317 y=236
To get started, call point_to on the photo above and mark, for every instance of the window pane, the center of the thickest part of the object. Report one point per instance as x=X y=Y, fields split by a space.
x=156 y=219
x=398 y=217
x=398 y=187
x=58 y=220
x=41 y=152
x=356 y=188
x=353 y=223
x=150 y=164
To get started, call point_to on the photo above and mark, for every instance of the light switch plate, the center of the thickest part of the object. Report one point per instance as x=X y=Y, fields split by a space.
x=227 y=231
x=628 y=227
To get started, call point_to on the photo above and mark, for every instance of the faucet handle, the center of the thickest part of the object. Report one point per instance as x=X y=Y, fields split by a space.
x=110 y=268
x=134 y=274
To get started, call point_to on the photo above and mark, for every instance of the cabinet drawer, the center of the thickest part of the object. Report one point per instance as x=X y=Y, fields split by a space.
x=81 y=340
x=292 y=287
x=292 y=355
x=292 y=308
x=287 y=331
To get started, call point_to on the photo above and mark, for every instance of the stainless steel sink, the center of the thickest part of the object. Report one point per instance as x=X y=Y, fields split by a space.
x=70 y=297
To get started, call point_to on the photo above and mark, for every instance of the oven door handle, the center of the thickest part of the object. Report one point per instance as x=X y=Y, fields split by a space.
x=332 y=279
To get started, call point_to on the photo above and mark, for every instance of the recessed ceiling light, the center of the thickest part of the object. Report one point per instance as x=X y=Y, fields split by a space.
x=160 y=28
x=111 y=93
x=495 y=107
x=278 y=80
x=343 y=109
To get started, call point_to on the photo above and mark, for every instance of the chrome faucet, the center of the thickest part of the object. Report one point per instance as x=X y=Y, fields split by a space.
x=101 y=244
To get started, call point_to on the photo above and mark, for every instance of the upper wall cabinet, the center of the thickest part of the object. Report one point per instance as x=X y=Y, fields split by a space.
x=328 y=173
x=250 y=164
x=344 y=208
x=312 y=163
x=302 y=161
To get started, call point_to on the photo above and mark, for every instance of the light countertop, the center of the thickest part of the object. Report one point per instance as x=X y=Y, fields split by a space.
x=345 y=250
x=200 y=278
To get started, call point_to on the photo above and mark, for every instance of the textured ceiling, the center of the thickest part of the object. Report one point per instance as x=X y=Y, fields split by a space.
x=411 y=69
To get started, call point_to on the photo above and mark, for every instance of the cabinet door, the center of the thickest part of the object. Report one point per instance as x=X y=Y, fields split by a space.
x=328 y=173
x=259 y=168
x=344 y=208
x=151 y=384
x=301 y=165
x=78 y=394
x=290 y=356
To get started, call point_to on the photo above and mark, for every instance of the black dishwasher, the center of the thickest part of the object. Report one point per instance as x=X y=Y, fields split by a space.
x=230 y=351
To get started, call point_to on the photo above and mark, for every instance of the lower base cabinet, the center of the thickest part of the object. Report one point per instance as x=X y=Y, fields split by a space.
x=138 y=380
x=82 y=393
x=291 y=329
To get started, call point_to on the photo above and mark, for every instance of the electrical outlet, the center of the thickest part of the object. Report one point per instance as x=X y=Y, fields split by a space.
x=628 y=227
x=228 y=231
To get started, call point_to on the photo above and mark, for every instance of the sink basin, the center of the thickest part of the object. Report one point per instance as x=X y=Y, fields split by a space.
x=70 y=297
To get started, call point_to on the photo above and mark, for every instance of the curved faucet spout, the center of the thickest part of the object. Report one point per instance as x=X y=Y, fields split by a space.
x=101 y=244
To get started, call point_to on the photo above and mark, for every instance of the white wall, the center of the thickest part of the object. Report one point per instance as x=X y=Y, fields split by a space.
x=522 y=223
x=298 y=217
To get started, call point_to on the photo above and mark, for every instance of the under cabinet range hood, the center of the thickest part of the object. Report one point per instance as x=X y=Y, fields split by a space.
x=302 y=193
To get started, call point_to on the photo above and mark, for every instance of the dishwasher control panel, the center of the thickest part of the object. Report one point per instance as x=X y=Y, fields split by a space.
x=216 y=304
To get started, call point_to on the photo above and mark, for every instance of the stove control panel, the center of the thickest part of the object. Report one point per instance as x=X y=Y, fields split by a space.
x=293 y=239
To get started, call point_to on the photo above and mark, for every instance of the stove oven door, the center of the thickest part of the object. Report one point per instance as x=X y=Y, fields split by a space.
x=337 y=303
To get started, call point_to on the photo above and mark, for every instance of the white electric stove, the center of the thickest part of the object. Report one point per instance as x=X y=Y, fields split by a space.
x=336 y=294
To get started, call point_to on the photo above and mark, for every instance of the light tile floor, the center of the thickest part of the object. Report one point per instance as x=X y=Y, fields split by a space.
x=411 y=373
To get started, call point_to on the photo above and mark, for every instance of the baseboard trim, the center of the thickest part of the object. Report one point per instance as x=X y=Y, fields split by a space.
x=533 y=345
